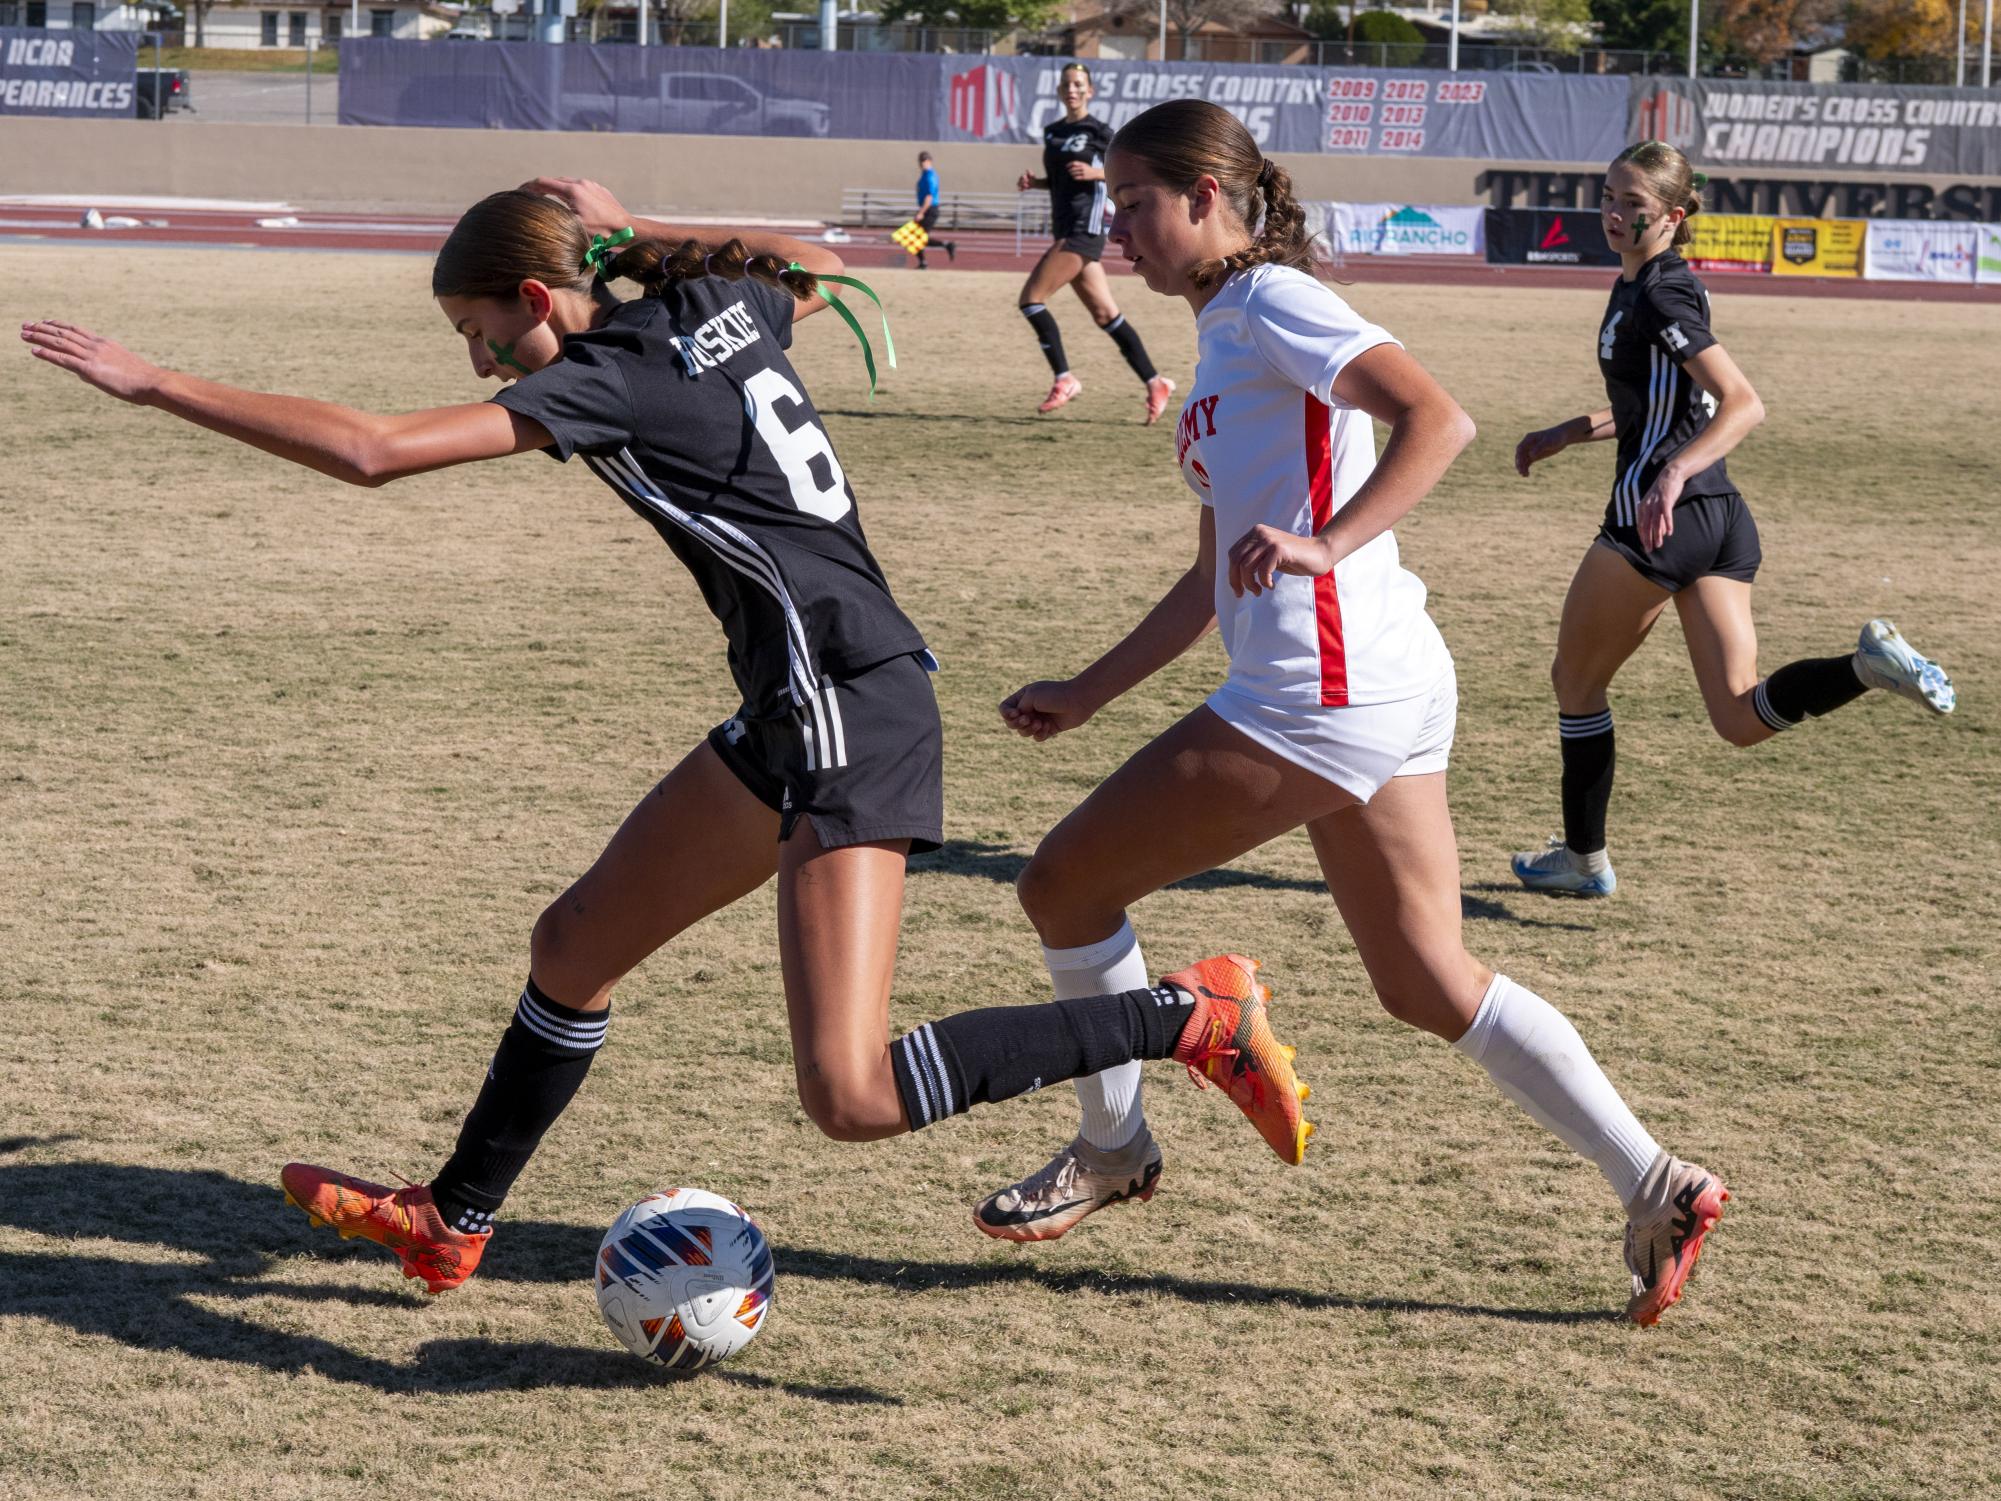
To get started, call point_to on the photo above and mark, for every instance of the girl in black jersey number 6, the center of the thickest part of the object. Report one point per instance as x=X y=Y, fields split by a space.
x=1073 y=166
x=684 y=403
x=1674 y=529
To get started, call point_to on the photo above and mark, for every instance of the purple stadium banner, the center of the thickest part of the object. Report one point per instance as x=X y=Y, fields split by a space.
x=1827 y=127
x=925 y=97
x=83 y=74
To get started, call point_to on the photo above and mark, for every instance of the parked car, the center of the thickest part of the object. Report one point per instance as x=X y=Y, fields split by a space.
x=697 y=104
x=1531 y=67
x=163 y=90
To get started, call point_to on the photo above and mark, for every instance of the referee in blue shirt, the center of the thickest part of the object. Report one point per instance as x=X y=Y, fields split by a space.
x=927 y=206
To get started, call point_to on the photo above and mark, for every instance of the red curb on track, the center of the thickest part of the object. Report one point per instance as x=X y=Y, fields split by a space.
x=979 y=250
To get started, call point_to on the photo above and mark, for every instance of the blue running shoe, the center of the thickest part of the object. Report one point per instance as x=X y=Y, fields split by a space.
x=1884 y=659
x=1557 y=869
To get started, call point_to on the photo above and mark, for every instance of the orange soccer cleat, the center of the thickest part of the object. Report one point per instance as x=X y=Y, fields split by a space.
x=403 y=1219
x=1229 y=1040
x=1065 y=389
x=1158 y=392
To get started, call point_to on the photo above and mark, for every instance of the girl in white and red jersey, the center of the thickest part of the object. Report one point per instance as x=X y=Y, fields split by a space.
x=1338 y=708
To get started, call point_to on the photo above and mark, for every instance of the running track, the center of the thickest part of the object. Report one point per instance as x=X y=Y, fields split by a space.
x=288 y=229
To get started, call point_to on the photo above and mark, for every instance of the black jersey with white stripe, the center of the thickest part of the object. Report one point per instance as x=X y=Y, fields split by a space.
x=1075 y=208
x=685 y=404
x=1653 y=325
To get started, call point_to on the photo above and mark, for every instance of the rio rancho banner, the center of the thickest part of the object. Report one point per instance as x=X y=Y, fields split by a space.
x=1987 y=265
x=80 y=73
x=1829 y=127
x=1398 y=228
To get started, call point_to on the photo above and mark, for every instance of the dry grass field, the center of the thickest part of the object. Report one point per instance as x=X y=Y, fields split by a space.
x=287 y=769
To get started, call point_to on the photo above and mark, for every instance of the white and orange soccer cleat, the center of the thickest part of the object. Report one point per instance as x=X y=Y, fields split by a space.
x=1065 y=389
x=402 y=1219
x=1677 y=1206
x=1078 y=1181
x=1159 y=391
x=1229 y=1041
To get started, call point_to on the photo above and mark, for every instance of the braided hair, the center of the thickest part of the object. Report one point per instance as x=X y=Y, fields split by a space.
x=1185 y=140
x=508 y=238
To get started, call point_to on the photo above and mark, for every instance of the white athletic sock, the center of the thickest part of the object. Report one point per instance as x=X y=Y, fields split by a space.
x=1536 y=1057
x=1110 y=1101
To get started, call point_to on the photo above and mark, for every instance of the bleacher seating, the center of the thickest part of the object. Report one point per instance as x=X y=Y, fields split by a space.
x=871 y=208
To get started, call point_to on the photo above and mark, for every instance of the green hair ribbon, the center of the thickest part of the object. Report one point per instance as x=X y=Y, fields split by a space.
x=854 y=324
x=602 y=249
x=1700 y=179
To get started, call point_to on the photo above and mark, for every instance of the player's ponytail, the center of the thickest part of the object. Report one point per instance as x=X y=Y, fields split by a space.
x=1185 y=140
x=1669 y=178
x=657 y=265
x=515 y=236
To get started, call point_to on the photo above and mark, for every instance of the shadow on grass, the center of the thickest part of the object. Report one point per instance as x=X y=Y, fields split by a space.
x=238 y=1229
x=1000 y=864
x=972 y=419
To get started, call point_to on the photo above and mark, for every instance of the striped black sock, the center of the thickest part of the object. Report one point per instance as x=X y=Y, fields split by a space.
x=1807 y=689
x=1127 y=338
x=538 y=1068
x=1588 y=755
x=946 y=1067
x=1044 y=323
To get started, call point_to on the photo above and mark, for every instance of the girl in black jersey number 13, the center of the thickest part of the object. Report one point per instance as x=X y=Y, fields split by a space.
x=1073 y=168
x=1675 y=528
x=683 y=402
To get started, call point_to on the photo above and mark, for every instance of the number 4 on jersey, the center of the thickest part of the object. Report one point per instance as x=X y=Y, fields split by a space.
x=795 y=448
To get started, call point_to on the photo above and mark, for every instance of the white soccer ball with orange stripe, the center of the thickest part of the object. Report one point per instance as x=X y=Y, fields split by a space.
x=684 y=1279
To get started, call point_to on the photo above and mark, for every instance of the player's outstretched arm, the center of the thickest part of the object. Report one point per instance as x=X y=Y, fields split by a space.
x=602 y=214
x=360 y=448
x=1184 y=615
x=1548 y=442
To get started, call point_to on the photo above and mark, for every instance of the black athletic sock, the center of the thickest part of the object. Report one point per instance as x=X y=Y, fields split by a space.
x=1587 y=778
x=1127 y=338
x=540 y=1064
x=946 y=1067
x=1044 y=323
x=1807 y=689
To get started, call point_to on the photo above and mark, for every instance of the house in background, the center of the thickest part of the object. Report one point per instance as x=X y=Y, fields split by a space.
x=79 y=15
x=246 y=24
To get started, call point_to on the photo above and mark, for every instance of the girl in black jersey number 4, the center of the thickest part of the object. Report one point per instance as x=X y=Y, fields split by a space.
x=683 y=402
x=1674 y=529
x=1073 y=166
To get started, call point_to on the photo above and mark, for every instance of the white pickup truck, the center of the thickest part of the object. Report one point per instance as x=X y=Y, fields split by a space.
x=696 y=104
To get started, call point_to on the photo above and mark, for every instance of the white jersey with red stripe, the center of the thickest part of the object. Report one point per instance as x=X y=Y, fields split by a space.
x=1264 y=440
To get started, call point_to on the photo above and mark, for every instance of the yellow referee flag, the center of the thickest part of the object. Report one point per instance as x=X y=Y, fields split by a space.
x=911 y=237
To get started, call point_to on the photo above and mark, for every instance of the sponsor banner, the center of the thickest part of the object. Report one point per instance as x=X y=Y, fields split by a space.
x=1874 y=127
x=86 y=74
x=1547 y=237
x=1918 y=250
x=1729 y=242
x=1398 y=228
x=1987 y=253
x=1817 y=247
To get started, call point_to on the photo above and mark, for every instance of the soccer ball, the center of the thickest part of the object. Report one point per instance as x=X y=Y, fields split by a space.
x=684 y=1279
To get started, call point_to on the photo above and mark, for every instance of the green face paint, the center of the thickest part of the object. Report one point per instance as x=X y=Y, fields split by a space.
x=1639 y=226
x=504 y=353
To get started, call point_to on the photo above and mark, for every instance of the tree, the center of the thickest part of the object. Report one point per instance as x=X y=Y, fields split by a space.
x=1553 y=25
x=1766 y=30
x=1643 y=25
x=1190 y=16
x=1906 y=28
x=977 y=15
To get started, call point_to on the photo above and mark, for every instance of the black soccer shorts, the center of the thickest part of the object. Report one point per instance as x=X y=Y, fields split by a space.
x=1713 y=534
x=864 y=759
